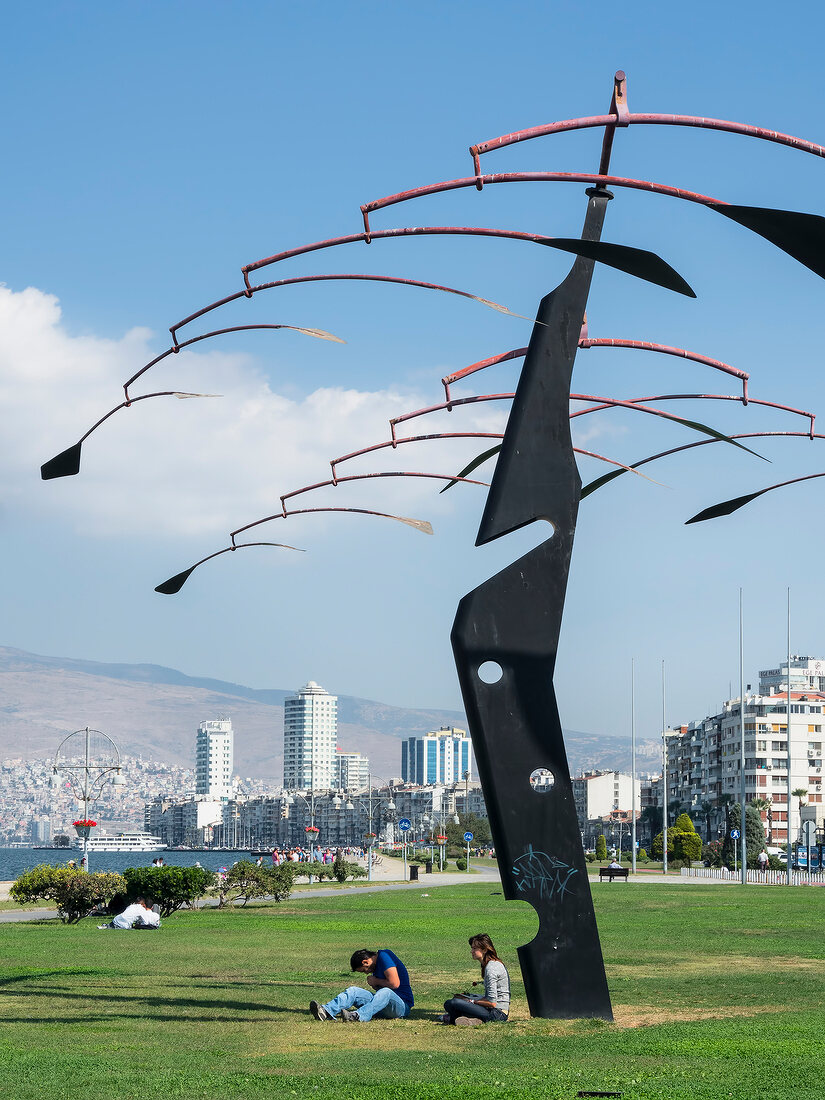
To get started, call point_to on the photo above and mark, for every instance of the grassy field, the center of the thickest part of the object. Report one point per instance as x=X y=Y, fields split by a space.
x=717 y=992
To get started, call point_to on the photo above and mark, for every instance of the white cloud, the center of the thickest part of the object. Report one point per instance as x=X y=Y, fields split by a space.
x=192 y=467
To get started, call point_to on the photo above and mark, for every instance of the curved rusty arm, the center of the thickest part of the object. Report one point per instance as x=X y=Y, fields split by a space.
x=801 y=235
x=694 y=397
x=396 y=442
x=634 y=261
x=726 y=507
x=176 y=583
x=67 y=462
x=630 y=118
x=318 y=333
x=603 y=342
x=251 y=290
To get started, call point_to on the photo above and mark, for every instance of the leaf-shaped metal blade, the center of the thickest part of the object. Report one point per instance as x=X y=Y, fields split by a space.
x=176 y=583
x=479 y=460
x=716 y=511
x=65 y=464
x=800 y=235
x=633 y=261
x=598 y=482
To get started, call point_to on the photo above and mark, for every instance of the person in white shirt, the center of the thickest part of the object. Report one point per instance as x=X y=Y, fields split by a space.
x=137 y=915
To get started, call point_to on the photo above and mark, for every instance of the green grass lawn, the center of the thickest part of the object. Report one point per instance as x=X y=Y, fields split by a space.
x=717 y=991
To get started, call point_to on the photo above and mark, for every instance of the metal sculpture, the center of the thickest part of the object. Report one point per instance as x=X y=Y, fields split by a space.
x=506 y=632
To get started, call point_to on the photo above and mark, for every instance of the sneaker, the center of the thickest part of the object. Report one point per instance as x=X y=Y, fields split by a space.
x=467 y=1021
x=318 y=1011
x=350 y=1017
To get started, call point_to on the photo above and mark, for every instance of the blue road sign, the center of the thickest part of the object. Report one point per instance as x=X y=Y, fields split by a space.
x=404 y=824
x=468 y=837
x=735 y=834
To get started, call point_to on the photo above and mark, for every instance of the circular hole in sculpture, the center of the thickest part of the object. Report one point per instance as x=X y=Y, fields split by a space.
x=490 y=672
x=542 y=780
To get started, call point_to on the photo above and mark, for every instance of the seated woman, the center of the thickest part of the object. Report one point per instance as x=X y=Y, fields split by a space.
x=493 y=1007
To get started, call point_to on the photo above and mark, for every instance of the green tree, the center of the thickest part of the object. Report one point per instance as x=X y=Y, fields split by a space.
x=754 y=834
x=765 y=804
x=469 y=823
x=601 y=847
x=169 y=887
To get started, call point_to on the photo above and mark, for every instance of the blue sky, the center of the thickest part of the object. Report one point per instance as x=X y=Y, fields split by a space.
x=153 y=149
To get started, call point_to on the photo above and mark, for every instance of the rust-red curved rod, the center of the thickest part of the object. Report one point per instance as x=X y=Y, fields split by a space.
x=176 y=347
x=133 y=401
x=409 y=439
x=591 y=178
x=638 y=345
x=371 y=235
x=419 y=524
x=367 y=477
x=646 y=119
x=454 y=435
x=250 y=290
x=689 y=397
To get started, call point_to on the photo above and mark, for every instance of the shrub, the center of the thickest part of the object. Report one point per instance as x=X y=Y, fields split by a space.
x=461 y=864
x=642 y=855
x=590 y=857
x=342 y=869
x=169 y=887
x=76 y=893
x=247 y=880
x=601 y=847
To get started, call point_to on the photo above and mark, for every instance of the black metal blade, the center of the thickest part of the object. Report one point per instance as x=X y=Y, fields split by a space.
x=65 y=464
x=176 y=583
x=716 y=511
x=633 y=261
x=800 y=235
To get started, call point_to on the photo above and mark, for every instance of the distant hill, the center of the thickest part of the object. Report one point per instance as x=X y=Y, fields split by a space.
x=154 y=711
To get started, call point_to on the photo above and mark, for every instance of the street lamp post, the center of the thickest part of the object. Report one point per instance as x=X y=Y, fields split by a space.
x=88 y=779
x=367 y=807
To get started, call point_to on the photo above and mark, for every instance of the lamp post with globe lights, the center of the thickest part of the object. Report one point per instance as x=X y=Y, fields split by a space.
x=367 y=808
x=100 y=765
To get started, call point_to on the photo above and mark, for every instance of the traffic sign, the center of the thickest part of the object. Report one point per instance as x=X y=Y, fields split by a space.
x=468 y=837
x=809 y=833
x=735 y=834
x=404 y=824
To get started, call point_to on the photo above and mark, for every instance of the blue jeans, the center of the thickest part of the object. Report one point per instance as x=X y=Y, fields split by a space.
x=384 y=1003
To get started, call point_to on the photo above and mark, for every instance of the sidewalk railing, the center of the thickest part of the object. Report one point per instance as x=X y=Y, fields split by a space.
x=770 y=878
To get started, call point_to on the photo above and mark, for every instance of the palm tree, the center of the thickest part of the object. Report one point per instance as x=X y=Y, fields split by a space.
x=800 y=793
x=707 y=810
x=765 y=804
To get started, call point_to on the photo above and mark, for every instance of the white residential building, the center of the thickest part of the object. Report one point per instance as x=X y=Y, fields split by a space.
x=310 y=736
x=704 y=758
x=443 y=756
x=352 y=770
x=600 y=794
x=214 y=757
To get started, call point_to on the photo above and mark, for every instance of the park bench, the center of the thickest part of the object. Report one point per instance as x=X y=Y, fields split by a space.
x=613 y=872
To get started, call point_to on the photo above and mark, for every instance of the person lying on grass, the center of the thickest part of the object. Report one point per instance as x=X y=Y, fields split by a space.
x=392 y=997
x=466 y=1010
x=138 y=915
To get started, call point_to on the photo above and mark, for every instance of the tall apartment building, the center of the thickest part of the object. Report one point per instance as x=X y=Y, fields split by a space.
x=352 y=770
x=600 y=794
x=704 y=757
x=442 y=756
x=310 y=736
x=214 y=759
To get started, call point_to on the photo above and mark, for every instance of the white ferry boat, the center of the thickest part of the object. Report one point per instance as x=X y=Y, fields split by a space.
x=123 y=842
